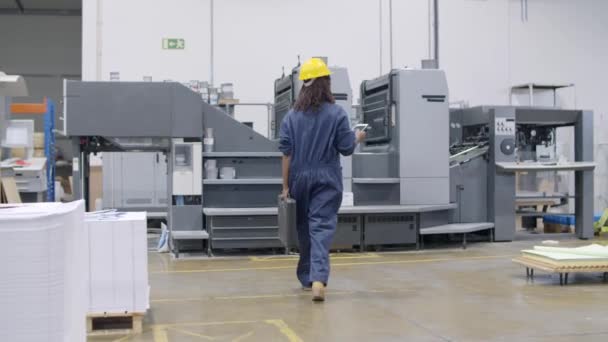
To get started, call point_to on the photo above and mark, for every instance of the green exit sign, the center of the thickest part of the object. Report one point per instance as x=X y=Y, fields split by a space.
x=174 y=44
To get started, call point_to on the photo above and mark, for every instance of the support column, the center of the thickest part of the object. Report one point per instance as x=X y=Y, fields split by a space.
x=583 y=180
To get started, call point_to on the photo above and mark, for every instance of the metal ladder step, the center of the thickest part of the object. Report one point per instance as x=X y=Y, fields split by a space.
x=190 y=235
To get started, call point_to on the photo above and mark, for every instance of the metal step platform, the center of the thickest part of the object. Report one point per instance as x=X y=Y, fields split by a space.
x=458 y=228
x=180 y=235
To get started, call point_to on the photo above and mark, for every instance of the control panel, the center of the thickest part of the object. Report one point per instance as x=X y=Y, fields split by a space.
x=504 y=126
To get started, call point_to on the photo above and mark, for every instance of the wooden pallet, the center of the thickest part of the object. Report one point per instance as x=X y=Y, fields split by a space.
x=562 y=270
x=104 y=324
x=547 y=267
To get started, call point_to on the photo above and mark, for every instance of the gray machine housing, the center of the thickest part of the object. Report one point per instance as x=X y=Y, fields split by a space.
x=399 y=163
x=132 y=110
x=126 y=190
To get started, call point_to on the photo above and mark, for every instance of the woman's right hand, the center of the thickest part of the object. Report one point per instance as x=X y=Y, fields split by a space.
x=360 y=135
x=285 y=194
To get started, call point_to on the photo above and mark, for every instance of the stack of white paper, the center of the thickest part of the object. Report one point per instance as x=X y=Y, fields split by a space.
x=43 y=278
x=118 y=262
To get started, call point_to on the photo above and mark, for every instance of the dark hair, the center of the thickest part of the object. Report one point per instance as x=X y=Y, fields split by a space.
x=313 y=96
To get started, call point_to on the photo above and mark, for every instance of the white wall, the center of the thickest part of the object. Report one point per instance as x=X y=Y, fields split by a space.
x=485 y=48
x=126 y=37
x=474 y=50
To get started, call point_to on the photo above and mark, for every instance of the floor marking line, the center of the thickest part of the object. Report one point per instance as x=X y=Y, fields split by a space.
x=160 y=334
x=332 y=257
x=224 y=269
x=425 y=260
x=190 y=333
x=199 y=324
x=244 y=336
x=124 y=338
x=269 y=296
x=267 y=268
x=285 y=330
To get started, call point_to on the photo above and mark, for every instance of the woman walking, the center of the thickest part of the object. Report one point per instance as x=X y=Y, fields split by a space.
x=312 y=137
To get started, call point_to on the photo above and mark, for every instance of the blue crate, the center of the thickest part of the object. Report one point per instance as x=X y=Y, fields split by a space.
x=567 y=220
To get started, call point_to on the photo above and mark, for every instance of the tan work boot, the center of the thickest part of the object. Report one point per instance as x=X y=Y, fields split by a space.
x=318 y=291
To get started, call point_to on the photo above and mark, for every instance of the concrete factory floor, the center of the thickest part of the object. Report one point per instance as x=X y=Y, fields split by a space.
x=440 y=294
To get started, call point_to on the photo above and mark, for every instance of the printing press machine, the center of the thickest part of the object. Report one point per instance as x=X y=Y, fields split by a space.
x=399 y=192
x=404 y=160
x=226 y=213
x=138 y=117
x=489 y=144
x=406 y=182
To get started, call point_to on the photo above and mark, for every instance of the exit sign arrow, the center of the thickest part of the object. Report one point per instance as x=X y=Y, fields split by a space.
x=174 y=44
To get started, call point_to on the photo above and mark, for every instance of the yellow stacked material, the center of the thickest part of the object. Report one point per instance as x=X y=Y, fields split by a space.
x=38 y=144
x=601 y=226
x=39 y=140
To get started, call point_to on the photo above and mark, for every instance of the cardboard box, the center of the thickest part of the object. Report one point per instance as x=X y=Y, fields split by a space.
x=554 y=228
x=18 y=152
x=39 y=140
x=9 y=191
x=95 y=185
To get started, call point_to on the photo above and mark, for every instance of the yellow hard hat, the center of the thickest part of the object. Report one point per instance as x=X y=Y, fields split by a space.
x=313 y=68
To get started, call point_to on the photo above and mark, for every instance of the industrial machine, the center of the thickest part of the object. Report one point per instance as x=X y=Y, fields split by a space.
x=242 y=180
x=142 y=117
x=286 y=90
x=404 y=108
x=404 y=159
x=146 y=190
x=223 y=178
x=489 y=144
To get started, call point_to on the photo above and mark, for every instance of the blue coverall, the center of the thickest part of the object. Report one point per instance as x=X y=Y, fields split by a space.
x=315 y=140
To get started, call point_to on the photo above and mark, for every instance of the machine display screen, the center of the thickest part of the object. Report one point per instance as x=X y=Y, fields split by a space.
x=376 y=112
